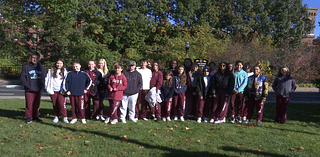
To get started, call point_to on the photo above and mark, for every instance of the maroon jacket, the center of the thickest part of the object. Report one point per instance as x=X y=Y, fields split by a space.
x=156 y=80
x=118 y=82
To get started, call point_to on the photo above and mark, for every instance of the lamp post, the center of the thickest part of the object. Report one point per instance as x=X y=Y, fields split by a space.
x=187 y=47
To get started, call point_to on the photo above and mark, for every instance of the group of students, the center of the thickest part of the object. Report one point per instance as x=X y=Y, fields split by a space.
x=186 y=91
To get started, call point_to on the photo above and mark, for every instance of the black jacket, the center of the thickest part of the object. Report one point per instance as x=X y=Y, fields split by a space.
x=222 y=82
x=96 y=82
x=201 y=90
x=167 y=92
x=134 y=82
x=33 y=77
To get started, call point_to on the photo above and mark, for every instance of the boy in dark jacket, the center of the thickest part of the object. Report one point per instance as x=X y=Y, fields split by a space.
x=76 y=84
x=204 y=100
x=32 y=78
x=92 y=93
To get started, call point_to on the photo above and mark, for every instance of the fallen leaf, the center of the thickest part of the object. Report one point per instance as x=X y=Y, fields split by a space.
x=79 y=137
x=104 y=139
x=187 y=140
x=141 y=147
x=20 y=126
x=301 y=148
x=259 y=150
x=187 y=128
x=171 y=129
x=198 y=141
x=293 y=149
x=150 y=131
x=154 y=134
x=238 y=146
x=176 y=126
x=11 y=136
x=157 y=128
x=125 y=136
x=129 y=129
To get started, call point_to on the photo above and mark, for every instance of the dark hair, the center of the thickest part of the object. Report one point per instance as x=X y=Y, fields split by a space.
x=159 y=65
x=54 y=74
x=231 y=71
x=35 y=54
x=247 y=64
x=168 y=83
x=171 y=63
x=212 y=63
x=194 y=65
x=239 y=62
x=287 y=74
x=219 y=68
x=183 y=76
x=143 y=60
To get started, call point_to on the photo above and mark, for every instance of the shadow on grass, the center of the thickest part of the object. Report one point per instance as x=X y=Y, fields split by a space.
x=172 y=152
x=254 y=152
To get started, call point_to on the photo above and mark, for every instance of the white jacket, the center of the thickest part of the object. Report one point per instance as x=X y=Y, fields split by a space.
x=153 y=97
x=48 y=81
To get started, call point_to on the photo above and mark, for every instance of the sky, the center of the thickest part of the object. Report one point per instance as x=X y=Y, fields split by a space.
x=314 y=4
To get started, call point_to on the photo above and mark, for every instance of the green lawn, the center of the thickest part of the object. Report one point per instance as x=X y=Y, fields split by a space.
x=299 y=137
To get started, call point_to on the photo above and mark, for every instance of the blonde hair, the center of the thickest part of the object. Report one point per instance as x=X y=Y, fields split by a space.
x=104 y=68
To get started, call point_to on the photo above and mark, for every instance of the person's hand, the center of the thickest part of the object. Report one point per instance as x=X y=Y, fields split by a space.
x=110 y=89
x=214 y=96
x=68 y=93
x=85 y=91
x=201 y=97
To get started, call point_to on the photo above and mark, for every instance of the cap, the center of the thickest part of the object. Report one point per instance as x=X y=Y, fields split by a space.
x=206 y=69
x=132 y=62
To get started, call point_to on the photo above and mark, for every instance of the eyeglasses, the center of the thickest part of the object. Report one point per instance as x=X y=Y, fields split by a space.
x=223 y=65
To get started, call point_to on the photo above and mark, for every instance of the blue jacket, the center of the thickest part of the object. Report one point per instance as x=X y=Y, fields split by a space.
x=179 y=89
x=77 y=82
x=241 y=80
x=260 y=87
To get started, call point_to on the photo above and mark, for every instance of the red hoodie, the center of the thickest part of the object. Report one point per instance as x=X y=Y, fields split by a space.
x=119 y=83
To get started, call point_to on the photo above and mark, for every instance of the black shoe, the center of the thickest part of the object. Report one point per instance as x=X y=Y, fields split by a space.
x=28 y=120
x=37 y=120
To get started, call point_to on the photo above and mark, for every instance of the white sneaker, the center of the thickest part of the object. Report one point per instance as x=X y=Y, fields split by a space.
x=175 y=118
x=206 y=120
x=168 y=119
x=97 y=117
x=55 y=119
x=181 y=118
x=107 y=120
x=83 y=121
x=115 y=121
x=211 y=120
x=73 y=121
x=123 y=120
x=164 y=119
x=155 y=119
x=199 y=120
x=65 y=120
x=145 y=119
x=134 y=120
x=217 y=121
x=224 y=120
x=102 y=118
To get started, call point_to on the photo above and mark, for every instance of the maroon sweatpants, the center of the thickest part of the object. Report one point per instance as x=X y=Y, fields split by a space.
x=236 y=101
x=97 y=110
x=203 y=108
x=77 y=106
x=156 y=110
x=59 y=104
x=32 y=103
x=113 y=110
x=281 y=108
x=166 y=108
x=141 y=99
x=179 y=104
x=192 y=103
x=259 y=104
x=221 y=106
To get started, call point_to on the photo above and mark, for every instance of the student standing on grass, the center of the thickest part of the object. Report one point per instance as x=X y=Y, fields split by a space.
x=179 y=99
x=53 y=84
x=283 y=86
x=130 y=95
x=117 y=83
x=204 y=97
x=167 y=91
x=257 y=92
x=103 y=69
x=237 y=98
x=76 y=84
x=156 y=82
x=222 y=87
x=191 y=94
x=146 y=75
x=32 y=78
x=93 y=93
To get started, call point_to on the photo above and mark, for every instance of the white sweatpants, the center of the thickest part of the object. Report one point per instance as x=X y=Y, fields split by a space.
x=128 y=101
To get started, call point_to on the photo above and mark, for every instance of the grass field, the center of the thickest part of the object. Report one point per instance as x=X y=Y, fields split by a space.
x=300 y=136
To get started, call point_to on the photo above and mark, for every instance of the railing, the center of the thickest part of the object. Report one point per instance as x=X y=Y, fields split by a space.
x=10 y=72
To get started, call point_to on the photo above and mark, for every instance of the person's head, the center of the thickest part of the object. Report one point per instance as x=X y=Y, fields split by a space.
x=173 y=64
x=239 y=65
x=247 y=67
x=284 y=71
x=76 y=66
x=132 y=66
x=144 y=63
x=187 y=62
x=156 y=66
x=91 y=65
x=118 y=69
x=230 y=67
x=35 y=57
x=194 y=67
x=222 y=67
x=206 y=71
x=256 y=70
x=180 y=69
x=169 y=75
x=59 y=64
x=212 y=66
x=102 y=64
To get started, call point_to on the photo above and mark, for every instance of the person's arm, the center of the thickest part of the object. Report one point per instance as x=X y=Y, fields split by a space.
x=265 y=89
x=88 y=83
x=198 y=88
x=244 y=82
x=294 y=85
x=231 y=82
x=275 y=84
x=159 y=81
x=122 y=86
x=23 y=77
x=43 y=75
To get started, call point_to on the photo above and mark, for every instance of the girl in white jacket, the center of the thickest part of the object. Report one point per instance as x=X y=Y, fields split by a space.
x=53 y=82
